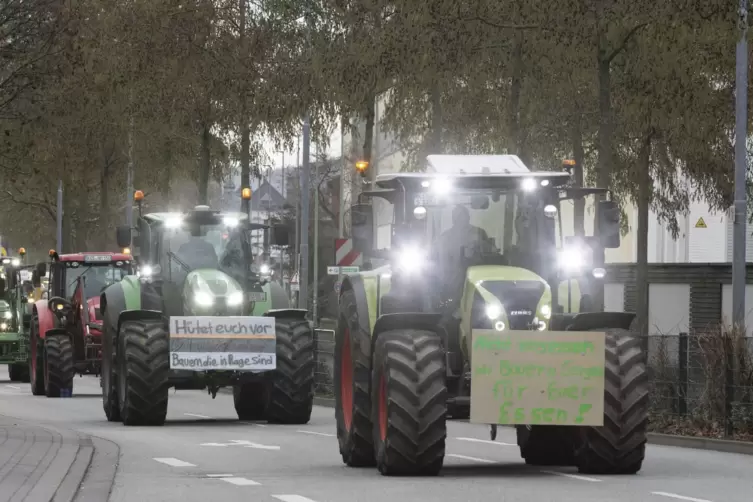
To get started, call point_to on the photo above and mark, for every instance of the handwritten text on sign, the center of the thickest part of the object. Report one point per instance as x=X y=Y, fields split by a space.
x=239 y=343
x=537 y=377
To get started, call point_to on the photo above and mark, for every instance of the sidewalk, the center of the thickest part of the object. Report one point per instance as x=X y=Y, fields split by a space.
x=41 y=464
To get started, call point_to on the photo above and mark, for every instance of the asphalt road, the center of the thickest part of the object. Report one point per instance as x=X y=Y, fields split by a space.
x=205 y=453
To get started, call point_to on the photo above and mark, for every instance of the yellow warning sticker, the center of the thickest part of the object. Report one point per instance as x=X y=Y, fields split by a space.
x=700 y=223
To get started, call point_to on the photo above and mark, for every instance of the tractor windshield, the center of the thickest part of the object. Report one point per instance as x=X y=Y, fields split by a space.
x=96 y=278
x=216 y=246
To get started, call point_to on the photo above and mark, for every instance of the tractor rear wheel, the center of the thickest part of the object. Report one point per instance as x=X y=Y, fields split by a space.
x=18 y=372
x=143 y=357
x=409 y=403
x=250 y=400
x=36 y=359
x=58 y=365
x=547 y=445
x=291 y=385
x=351 y=382
x=619 y=446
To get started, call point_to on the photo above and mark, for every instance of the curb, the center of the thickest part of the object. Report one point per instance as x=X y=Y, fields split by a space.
x=99 y=479
x=698 y=443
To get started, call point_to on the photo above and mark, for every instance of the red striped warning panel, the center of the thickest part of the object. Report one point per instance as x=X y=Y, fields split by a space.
x=345 y=255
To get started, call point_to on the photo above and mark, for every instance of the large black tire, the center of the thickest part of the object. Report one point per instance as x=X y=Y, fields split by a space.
x=550 y=445
x=250 y=400
x=291 y=385
x=18 y=372
x=409 y=403
x=108 y=381
x=58 y=365
x=352 y=377
x=36 y=358
x=619 y=446
x=143 y=362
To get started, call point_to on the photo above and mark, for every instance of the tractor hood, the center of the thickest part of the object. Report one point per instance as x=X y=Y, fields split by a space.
x=501 y=297
x=212 y=292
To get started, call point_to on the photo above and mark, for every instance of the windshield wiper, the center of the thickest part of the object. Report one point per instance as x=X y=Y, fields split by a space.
x=80 y=275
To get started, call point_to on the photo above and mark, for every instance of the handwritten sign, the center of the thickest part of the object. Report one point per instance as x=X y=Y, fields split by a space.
x=238 y=343
x=537 y=377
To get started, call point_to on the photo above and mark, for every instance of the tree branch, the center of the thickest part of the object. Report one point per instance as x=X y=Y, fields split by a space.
x=625 y=41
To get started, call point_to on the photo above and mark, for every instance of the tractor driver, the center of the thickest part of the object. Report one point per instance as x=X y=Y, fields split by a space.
x=451 y=244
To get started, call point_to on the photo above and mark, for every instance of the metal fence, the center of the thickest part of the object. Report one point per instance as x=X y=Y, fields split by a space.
x=700 y=385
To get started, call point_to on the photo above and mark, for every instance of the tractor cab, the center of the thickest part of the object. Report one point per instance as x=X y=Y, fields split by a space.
x=200 y=262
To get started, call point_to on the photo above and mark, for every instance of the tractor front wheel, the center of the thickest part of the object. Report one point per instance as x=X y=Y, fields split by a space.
x=58 y=365
x=291 y=385
x=619 y=446
x=36 y=359
x=250 y=400
x=18 y=372
x=110 y=402
x=409 y=403
x=143 y=361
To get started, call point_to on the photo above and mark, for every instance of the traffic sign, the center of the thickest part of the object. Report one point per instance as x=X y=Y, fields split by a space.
x=349 y=270
x=333 y=270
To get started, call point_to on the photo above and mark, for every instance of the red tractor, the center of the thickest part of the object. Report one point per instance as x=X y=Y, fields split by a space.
x=66 y=327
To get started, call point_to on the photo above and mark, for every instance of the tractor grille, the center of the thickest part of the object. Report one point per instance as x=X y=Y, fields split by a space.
x=218 y=286
x=520 y=299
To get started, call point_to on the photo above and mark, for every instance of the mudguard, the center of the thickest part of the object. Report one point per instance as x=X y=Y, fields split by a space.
x=587 y=321
x=56 y=332
x=46 y=318
x=286 y=313
x=404 y=320
x=138 y=315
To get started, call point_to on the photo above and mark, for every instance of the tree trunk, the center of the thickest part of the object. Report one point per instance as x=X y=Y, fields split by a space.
x=515 y=139
x=368 y=139
x=645 y=188
x=245 y=130
x=579 y=204
x=205 y=165
x=104 y=205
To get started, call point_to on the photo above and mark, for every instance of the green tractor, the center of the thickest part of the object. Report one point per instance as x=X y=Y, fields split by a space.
x=201 y=315
x=466 y=317
x=15 y=316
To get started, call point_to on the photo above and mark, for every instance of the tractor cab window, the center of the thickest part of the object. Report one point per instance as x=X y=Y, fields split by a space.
x=96 y=277
x=194 y=246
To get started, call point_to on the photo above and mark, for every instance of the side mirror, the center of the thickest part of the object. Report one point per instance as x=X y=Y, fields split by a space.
x=280 y=235
x=362 y=227
x=608 y=223
x=123 y=236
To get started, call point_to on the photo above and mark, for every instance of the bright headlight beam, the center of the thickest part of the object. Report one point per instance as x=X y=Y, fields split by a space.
x=410 y=259
x=264 y=269
x=230 y=221
x=235 y=299
x=174 y=221
x=441 y=186
x=528 y=184
x=493 y=311
x=203 y=299
x=572 y=259
x=15 y=262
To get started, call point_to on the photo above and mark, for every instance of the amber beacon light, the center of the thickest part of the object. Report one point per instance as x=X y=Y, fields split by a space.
x=362 y=166
x=246 y=194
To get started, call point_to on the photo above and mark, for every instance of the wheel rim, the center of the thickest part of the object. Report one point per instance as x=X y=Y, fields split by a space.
x=383 y=407
x=346 y=380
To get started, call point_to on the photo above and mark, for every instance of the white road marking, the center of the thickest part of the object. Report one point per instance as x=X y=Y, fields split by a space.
x=174 y=462
x=219 y=475
x=497 y=443
x=244 y=443
x=475 y=459
x=317 y=433
x=195 y=415
x=680 y=497
x=240 y=481
x=574 y=476
x=252 y=423
x=14 y=387
x=292 y=498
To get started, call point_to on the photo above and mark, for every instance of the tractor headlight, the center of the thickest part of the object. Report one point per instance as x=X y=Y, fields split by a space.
x=411 y=259
x=203 y=299
x=235 y=299
x=572 y=259
x=15 y=262
x=493 y=311
x=545 y=311
x=264 y=269
x=7 y=315
x=4 y=326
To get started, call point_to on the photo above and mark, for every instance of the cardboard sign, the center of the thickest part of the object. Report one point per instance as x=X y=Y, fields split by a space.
x=238 y=343
x=537 y=377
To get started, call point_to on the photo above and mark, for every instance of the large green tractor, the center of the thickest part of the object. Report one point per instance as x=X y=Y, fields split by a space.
x=14 y=316
x=466 y=317
x=201 y=315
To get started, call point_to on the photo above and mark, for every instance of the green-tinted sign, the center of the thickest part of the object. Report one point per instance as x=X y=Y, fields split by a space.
x=544 y=377
x=349 y=270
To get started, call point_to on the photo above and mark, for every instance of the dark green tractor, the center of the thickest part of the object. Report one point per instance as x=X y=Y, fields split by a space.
x=201 y=315
x=14 y=317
